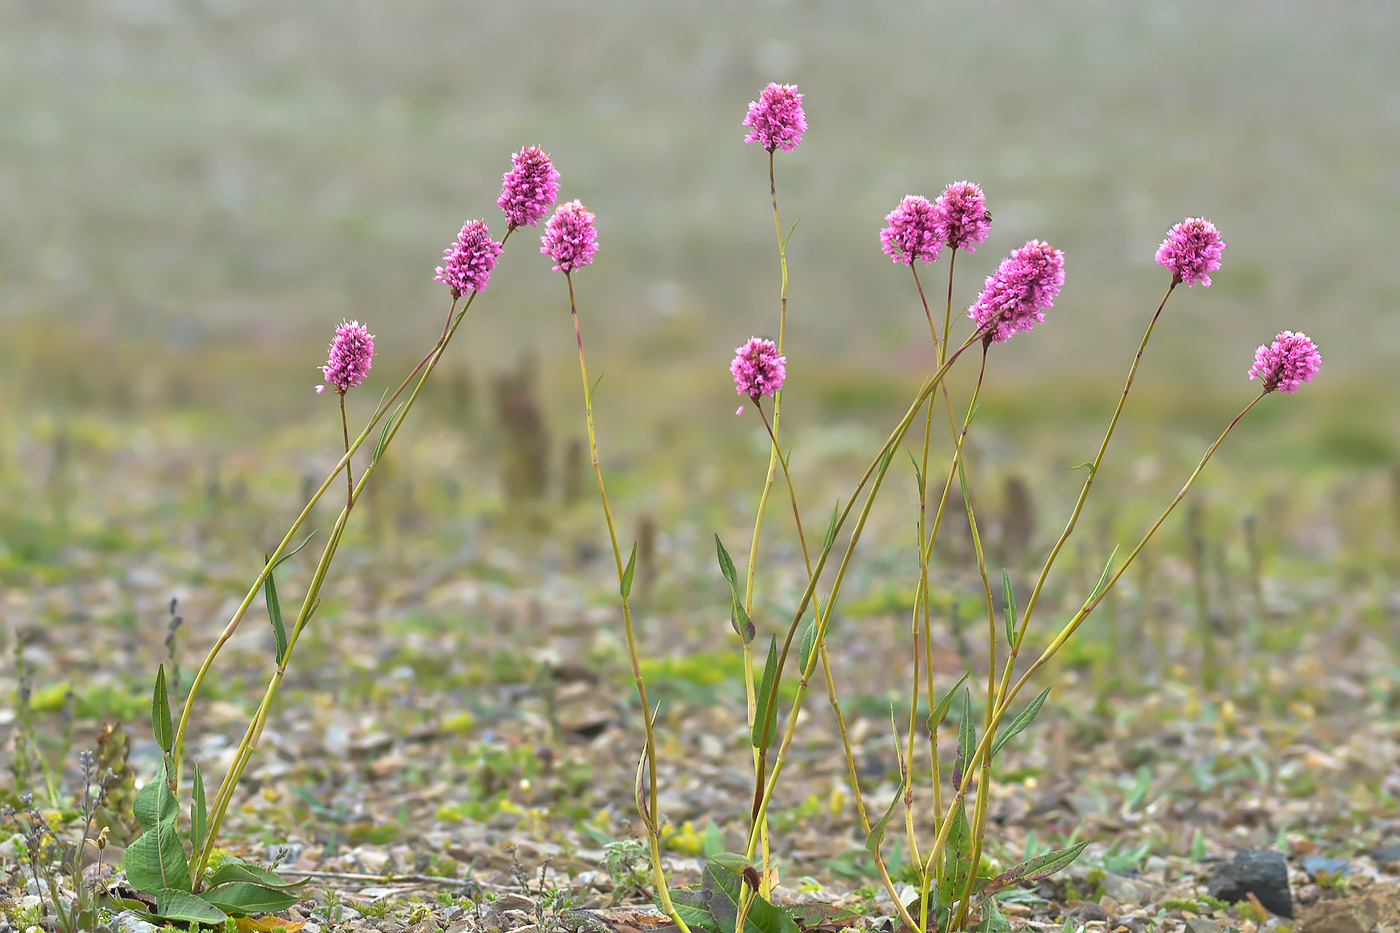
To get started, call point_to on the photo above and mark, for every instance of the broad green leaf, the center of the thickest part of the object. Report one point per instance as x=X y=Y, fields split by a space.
x=730 y=861
x=160 y=714
x=712 y=842
x=722 y=890
x=690 y=905
x=184 y=907
x=246 y=897
x=967 y=740
x=626 y=584
x=274 y=612
x=234 y=869
x=1033 y=869
x=1020 y=722
x=877 y=832
x=199 y=812
x=809 y=644
x=992 y=919
x=155 y=860
x=1010 y=611
x=940 y=711
x=765 y=720
x=957 y=856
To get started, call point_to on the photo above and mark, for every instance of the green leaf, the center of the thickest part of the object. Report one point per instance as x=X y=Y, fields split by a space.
x=1086 y=463
x=247 y=897
x=712 y=842
x=625 y=586
x=1033 y=869
x=957 y=858
x=1009 y=594
x=722 y=890
x=274 y=612
x=940 y=712
x=809 y=644
x=184 y=907
x=154 y=801
x=287 y=555
x=690 y=905
x=967 y=741
x=730 y=861
x=726 y=564
x=160 y=714
x=765 y=720
x=738 y=615
x=235 y=869
x=384 y=432
x=877 y=832
x=155 y=861
x=992 y=919
x=1020 y=722
x=199 y=812
x=831 y=526
x=918 y=475
x=1103 y=577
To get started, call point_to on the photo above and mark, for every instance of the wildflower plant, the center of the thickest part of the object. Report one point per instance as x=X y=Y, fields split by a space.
x=177 y=867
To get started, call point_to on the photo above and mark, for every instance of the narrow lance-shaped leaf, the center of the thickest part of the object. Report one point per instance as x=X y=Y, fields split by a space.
x=940 y=711
x=384 y=433
x=809 y=644
x=1009 y=594
x=765 y=719
x=287 y=555
x=967 y=740
x=726 y=564
x=1103 y=577
x=160 y=714
x=957 y=860
x=918 y=475
x=877 y=832
x=738 y=615
x=1024 y=719
x=1033 y=869
x=248 y=897
x=199 y=813
x=274 y=612
x=625 y=586
x=831 y=527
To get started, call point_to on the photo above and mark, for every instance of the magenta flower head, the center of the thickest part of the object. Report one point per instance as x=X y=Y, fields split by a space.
x=776 y=120
x=758 y=368
x=912 y=232
x=1291 y=361
x=1191 y=251
x=1015 y=297
x=530 y=187
x=569 y=237
x=467 y=264
x=962 y=216
x=352 y=353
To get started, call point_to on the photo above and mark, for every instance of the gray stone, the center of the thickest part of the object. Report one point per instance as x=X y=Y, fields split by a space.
x=1202 y=925
x=1261 y=872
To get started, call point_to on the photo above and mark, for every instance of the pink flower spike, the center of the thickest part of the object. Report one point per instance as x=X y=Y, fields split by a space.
x=1291 y=361
x=776 y=120
x=530 y=187
x=1191 y=251
x=912 y=232
x=758 y=369
x=1015 y=297
x=570 y=238
x=962 y=216
x=352 y=354
x=469 y=261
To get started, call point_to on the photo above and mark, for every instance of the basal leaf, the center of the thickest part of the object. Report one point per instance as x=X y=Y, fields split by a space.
x=1020 y=722
x=160 y=714
x=957 y=856
x=765 y=720
x=722 y=890
x=730 y=861
x=234 y=869
x=155 y=861
x=247 y=897
x=183 y=907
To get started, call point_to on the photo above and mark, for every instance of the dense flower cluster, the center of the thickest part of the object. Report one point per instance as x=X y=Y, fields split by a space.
x=1289 y=362
x=912 y=231
x=1015 y=297
x=962 y=215
x=758 y=368
x=570 y=238
x=1191 y=251
x=776 y=120
x=352 y=354
x=530 y=187
x=467 y=264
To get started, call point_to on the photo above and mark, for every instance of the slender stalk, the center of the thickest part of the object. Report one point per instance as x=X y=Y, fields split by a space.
x=650 y=818
x=349 y=478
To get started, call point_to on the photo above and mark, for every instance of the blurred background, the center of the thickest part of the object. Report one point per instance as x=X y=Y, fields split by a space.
x=194 y=193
